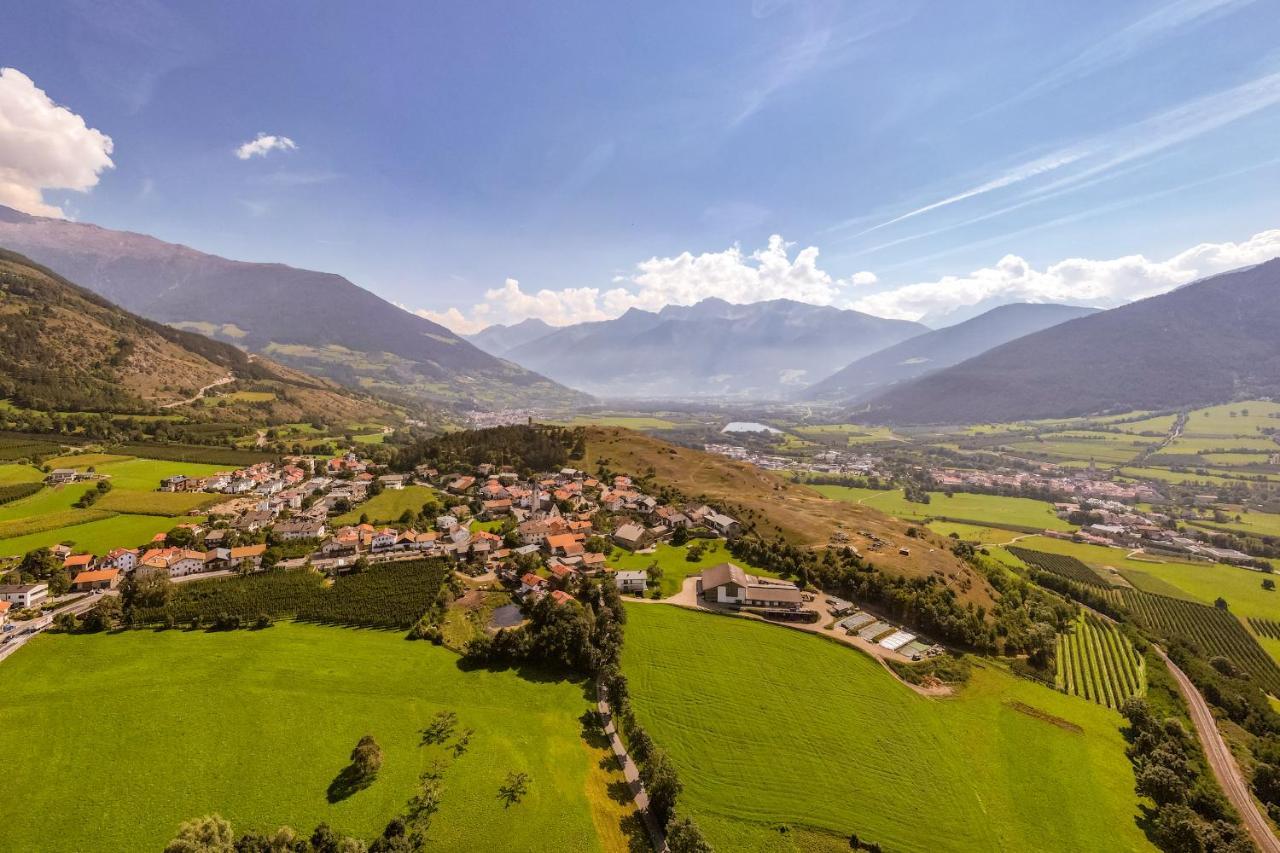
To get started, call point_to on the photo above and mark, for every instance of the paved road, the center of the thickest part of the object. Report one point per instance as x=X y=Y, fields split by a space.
x=223 y=381
x=79 y=608
x=1223 y=762
x=630 y=773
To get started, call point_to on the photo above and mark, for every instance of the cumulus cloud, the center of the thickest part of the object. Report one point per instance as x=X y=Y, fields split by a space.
x=44 y=146
x=263 y=145
x=731 y=275
x=1079 y=281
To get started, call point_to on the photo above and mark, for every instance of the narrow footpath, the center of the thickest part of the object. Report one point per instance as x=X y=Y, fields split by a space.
x=1222 y=762
x=629 y=772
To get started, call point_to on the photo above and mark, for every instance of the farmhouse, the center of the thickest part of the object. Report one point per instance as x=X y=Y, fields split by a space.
x=24 y=594
x=723 y=524
x=631 y=536
x=730 y=584
x=99 y=579
x=59 y=476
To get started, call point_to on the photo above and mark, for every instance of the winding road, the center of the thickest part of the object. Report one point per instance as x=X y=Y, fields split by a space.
x=229 y=378
x=1223 y=763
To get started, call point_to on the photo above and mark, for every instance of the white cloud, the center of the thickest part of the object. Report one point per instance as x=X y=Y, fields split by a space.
x=1079 y=281
x=44 y=146
x=731 y=275
x=263 y=145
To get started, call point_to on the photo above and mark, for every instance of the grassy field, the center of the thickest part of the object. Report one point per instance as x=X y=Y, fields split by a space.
x=785 y=729
x=675 y=565
x=11 y=474
x=1103 y=448
x=994 y=509
x=156 y=503
x=1255 y=523
x=95 y=537
x=239 y=397
x=390 y=505
x=141 y=730
x=972 y=532
x=854 y=434
x=370 y=438
x=1218 y=420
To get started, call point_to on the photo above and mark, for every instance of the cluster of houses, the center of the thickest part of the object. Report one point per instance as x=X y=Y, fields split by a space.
x=492 y=516
x=1049 y=478
x=1124 y=526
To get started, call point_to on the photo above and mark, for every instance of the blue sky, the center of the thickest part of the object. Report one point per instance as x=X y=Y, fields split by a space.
x=572 y=160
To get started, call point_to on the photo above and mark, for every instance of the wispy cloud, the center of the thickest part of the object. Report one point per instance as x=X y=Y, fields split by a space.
x=1125 y=43
x=1101 y=157
x=1016 y=175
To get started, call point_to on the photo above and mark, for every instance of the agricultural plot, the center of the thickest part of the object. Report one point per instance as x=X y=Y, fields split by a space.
x=15 y=446
x=1102 y=447
x=1265 y=627
x=1058 y=564
x=1215 y=477
x=391 y=595
x=1250 y=524
x=853 y=434
x=391 y=504
x=1097 y=662
x=1156 y=425
x=1017 y=513
x=220 y=457
x=84 y=461
x=255 y=725
x=1215 y=632
x=873 y=757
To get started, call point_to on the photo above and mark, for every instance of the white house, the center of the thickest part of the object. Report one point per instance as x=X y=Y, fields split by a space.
x=24 y=595
x=631 y=581
x=122 y=559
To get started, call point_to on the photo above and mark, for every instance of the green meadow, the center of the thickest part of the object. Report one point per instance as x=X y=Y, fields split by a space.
x=130 y=734
x=390 y=505
x=993 y=509
x=787 y=742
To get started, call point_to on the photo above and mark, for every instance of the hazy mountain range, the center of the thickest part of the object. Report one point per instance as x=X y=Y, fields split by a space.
x=318 y=322
x=938 y=349
x=1210 y=341
x=764 y=350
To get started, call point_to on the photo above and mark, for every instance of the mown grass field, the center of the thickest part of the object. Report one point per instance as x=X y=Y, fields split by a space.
x=156 y=503
x=390 y=505
x=95 y=537
x=1105 y=448
x=771 y=727
x=993 y=509
x=675 y=564
x=11 y=474
x=972 y=532
x=133 y=733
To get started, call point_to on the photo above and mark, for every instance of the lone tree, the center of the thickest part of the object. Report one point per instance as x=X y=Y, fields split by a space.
x=208 y=834
x=514 y=789
x=366 y=758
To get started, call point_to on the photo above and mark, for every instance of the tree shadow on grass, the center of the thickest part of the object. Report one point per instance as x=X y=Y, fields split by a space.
x=347 y=783
x=637 y=837
x=620 y=792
